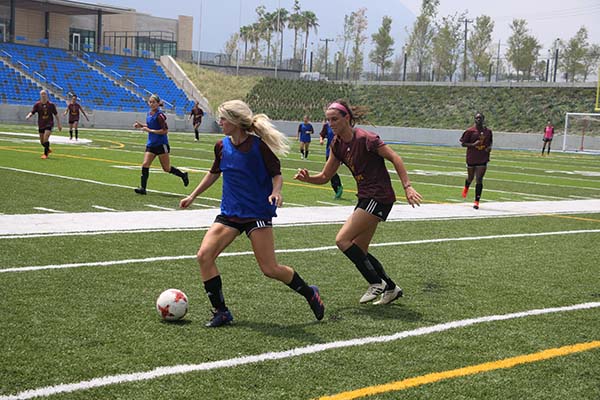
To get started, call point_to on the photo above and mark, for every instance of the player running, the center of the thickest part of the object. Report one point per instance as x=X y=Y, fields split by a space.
x=46 y=112
x=305 y=129
x=74 y=109
x=478 y=141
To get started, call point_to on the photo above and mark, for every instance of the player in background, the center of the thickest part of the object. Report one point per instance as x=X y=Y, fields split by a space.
x=478 y=141
x=336 y=182
x=364 y=153
x=197 y=113
x=73 y=109
x=305 y=129
x=46 y=112
x=157 y=144
x=548 y=135
x=251 y=193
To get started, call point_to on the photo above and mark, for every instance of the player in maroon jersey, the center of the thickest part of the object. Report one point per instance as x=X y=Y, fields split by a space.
x=46 y=112
x=197 y=113
x=364 y=153
x=478 y=141
x=74 y=108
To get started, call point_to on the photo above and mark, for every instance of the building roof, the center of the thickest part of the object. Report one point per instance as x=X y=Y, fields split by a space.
x=67 y=7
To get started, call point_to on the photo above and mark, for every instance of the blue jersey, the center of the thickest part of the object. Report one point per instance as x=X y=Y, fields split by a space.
x=329 y=139
x=305 y=131
x=153 y=122
x=246 y=183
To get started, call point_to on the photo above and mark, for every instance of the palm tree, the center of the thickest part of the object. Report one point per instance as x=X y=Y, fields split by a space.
x=295 y=22
x=310 y=21
x=281 y=19
x=245 y=32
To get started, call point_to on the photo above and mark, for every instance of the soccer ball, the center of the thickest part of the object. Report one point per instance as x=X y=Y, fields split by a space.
x=172 y=304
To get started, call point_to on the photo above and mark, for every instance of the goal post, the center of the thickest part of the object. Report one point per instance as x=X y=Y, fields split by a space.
x=582 y=132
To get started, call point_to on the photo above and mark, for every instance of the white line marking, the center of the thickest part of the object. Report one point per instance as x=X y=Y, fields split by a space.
x=280 y=355
x=104 y=208
x=282 y=251
x=100 y=183
x=159 y=207
x=48 y=210
x=454 y=200
x=327 y=203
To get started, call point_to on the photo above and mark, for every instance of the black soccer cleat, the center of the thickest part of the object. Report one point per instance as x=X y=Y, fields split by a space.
x=140 y=190
x=316 y=304
x=186 y=179
x=219 y=318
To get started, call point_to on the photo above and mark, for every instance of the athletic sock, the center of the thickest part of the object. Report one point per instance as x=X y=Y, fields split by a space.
x=145 y=175
x=176 y=171
x=478 y=190
x=467 y=183
x=46 y=148
x=214 y=290
x=335 y=182
x=362 y=263
x=70 y=133
x=197 y=134
x=380 y=271
x=298 y=285
x=306 y=154
x=76 y=134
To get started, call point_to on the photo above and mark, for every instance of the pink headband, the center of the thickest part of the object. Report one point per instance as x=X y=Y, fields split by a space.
x=339 y=107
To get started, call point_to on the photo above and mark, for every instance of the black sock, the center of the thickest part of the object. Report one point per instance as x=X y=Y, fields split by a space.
x=298 y=285
x=548 y=149
x=70 y=133
x=214 y=290
x=302 y=152
x=306 y=154
x=177 y=172
x=197 y=134
x=145 y=175
x=362 y=263
x=335 y=182
x=46 y=148
x=390 y=284
x=76 y=133
x=467 y=183
x=478 y=190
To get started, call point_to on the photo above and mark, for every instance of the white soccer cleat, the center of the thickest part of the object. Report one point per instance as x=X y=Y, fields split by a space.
x=390 y=295
x=372 y=292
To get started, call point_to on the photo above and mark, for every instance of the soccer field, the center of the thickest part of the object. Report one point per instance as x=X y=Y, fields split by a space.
x=500 y=303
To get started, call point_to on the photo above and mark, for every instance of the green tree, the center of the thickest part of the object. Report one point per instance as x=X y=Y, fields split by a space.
x=419 y=44
x=591 y=61
x=231 y=46
x=383 y=51
x=295 y=23
x=446 y=46
x=479 y=45
x=523 y=49
x=573 y=54
x=245 y=32
x=359 y=38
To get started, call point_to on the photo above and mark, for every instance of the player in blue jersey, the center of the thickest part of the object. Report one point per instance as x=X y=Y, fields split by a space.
x=336 y=182
x=157 y=144
x=305 y=129
x=251 y=193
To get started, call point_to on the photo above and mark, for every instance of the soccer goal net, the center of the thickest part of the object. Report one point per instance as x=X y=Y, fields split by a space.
x=582 y=132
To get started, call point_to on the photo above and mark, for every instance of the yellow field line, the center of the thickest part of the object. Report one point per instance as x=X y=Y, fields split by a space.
x=472 y=370
x=570 y=217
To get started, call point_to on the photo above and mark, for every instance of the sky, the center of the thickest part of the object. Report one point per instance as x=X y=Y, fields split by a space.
x=215 y=21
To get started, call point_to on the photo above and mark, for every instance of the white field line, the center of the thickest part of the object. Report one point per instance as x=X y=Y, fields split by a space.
x=50 y=210
x=327 y=203
x=100 y=183
x=159 y=207
x=280 y=355
x=283 y=251
x=104 y=208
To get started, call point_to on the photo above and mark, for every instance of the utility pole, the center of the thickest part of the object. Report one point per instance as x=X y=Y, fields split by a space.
x=466 y=21
x=326 y=63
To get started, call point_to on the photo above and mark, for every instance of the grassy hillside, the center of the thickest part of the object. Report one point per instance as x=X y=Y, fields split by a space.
x=511 y=109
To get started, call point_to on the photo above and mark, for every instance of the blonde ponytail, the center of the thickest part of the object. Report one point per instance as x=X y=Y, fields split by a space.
x=238 y=113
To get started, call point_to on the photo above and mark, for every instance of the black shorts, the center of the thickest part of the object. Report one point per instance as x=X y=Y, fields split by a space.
x=380 y=210
x=247 y=226
x=43 y=130
x=546 y=139
x=72 y=121
x=477 y=165
x=158 y=150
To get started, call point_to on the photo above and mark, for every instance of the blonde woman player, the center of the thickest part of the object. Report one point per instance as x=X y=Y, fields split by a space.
x=46 y=112
x=252 y=184
x=364 y=153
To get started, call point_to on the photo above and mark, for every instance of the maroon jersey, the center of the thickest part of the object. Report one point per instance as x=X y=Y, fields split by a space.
x=45 y=114
x=73 y=112
x=367 y=166
x=197 y=113
x=272 y=163
x=477 y=154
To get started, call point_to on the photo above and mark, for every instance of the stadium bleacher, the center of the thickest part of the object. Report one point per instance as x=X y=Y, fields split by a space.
x=65 y=74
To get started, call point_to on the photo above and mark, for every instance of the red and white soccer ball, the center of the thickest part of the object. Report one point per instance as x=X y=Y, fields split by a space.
x=172 y=304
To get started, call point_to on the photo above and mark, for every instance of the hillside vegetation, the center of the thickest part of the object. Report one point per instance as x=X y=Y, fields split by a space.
x=509 y=109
